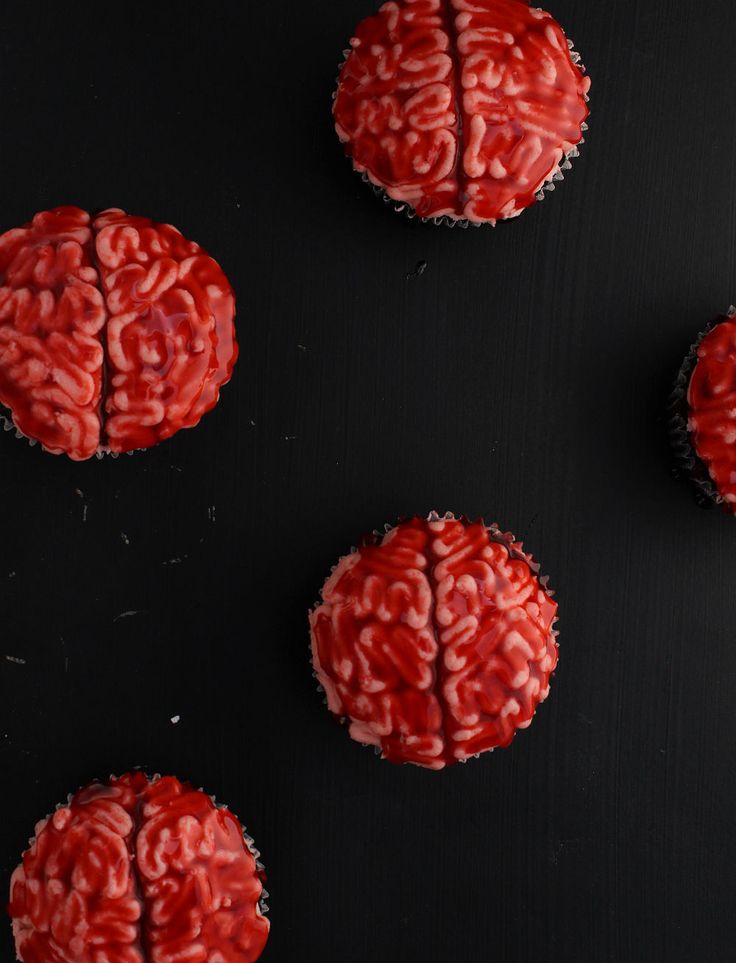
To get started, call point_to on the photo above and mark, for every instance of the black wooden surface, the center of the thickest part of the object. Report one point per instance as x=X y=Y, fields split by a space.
x=520 y=377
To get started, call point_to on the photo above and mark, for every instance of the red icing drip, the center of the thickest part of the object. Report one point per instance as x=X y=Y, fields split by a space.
x=124 y=293
x=436 y=642
x=463 y=108
x=138 y=871
x=712 y=408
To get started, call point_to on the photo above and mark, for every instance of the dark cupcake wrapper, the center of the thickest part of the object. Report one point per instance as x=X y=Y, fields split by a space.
x=444 y=220
x=687 y=463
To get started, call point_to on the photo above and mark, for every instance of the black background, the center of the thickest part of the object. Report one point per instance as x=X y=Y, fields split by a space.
x=521 y=377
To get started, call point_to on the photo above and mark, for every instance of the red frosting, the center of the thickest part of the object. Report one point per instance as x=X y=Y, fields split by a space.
x=712 y=408
x=461 y=108
x=138 y=871
x=436 y=641
x=114 y=333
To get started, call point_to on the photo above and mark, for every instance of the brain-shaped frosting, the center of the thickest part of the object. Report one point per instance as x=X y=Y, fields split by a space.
x=711 y=400
x=435 y=641
x=139 y=871
x=461 y=109
x=114 y=332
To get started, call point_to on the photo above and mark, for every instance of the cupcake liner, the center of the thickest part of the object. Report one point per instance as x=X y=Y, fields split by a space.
x=515 y=550
x=687 y=464
x=463 y=223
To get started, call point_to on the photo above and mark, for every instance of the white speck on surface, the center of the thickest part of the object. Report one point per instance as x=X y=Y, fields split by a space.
x=125 y=615
x=80 y=494
x=289 y=437
x=211 y=514
x=176 y=468
x=11 y=574
x=16 y=659
x=302 y=347
x=252 y=422
x=175 y=561
x=125 y=538
x=175 y=719
x=418 y=271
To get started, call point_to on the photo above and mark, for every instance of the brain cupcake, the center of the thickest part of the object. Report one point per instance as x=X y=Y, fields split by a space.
x=114 y=332
x=435 y=641
x=703 y=426
x=461 y=110
x=134 y=870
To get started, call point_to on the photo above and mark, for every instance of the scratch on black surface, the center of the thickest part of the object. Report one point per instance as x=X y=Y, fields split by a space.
x=16 y=659
x=418 y=271
x=125 y=615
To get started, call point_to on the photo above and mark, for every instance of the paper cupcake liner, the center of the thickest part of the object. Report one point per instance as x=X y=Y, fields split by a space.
x=687 y=463
x=463 y=223
x=247 y=838
x=515 y=550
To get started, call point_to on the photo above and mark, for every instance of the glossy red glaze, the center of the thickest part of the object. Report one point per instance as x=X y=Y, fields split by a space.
x=435 y=641
x=712 y=408
x=460 y=108
x=51 y=318
x=113 y=334
x=138 y=871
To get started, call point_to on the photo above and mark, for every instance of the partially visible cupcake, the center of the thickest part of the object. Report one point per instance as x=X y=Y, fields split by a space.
x=703 y=414
x=135 y=869
x=435 y=640
x=461 y=111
